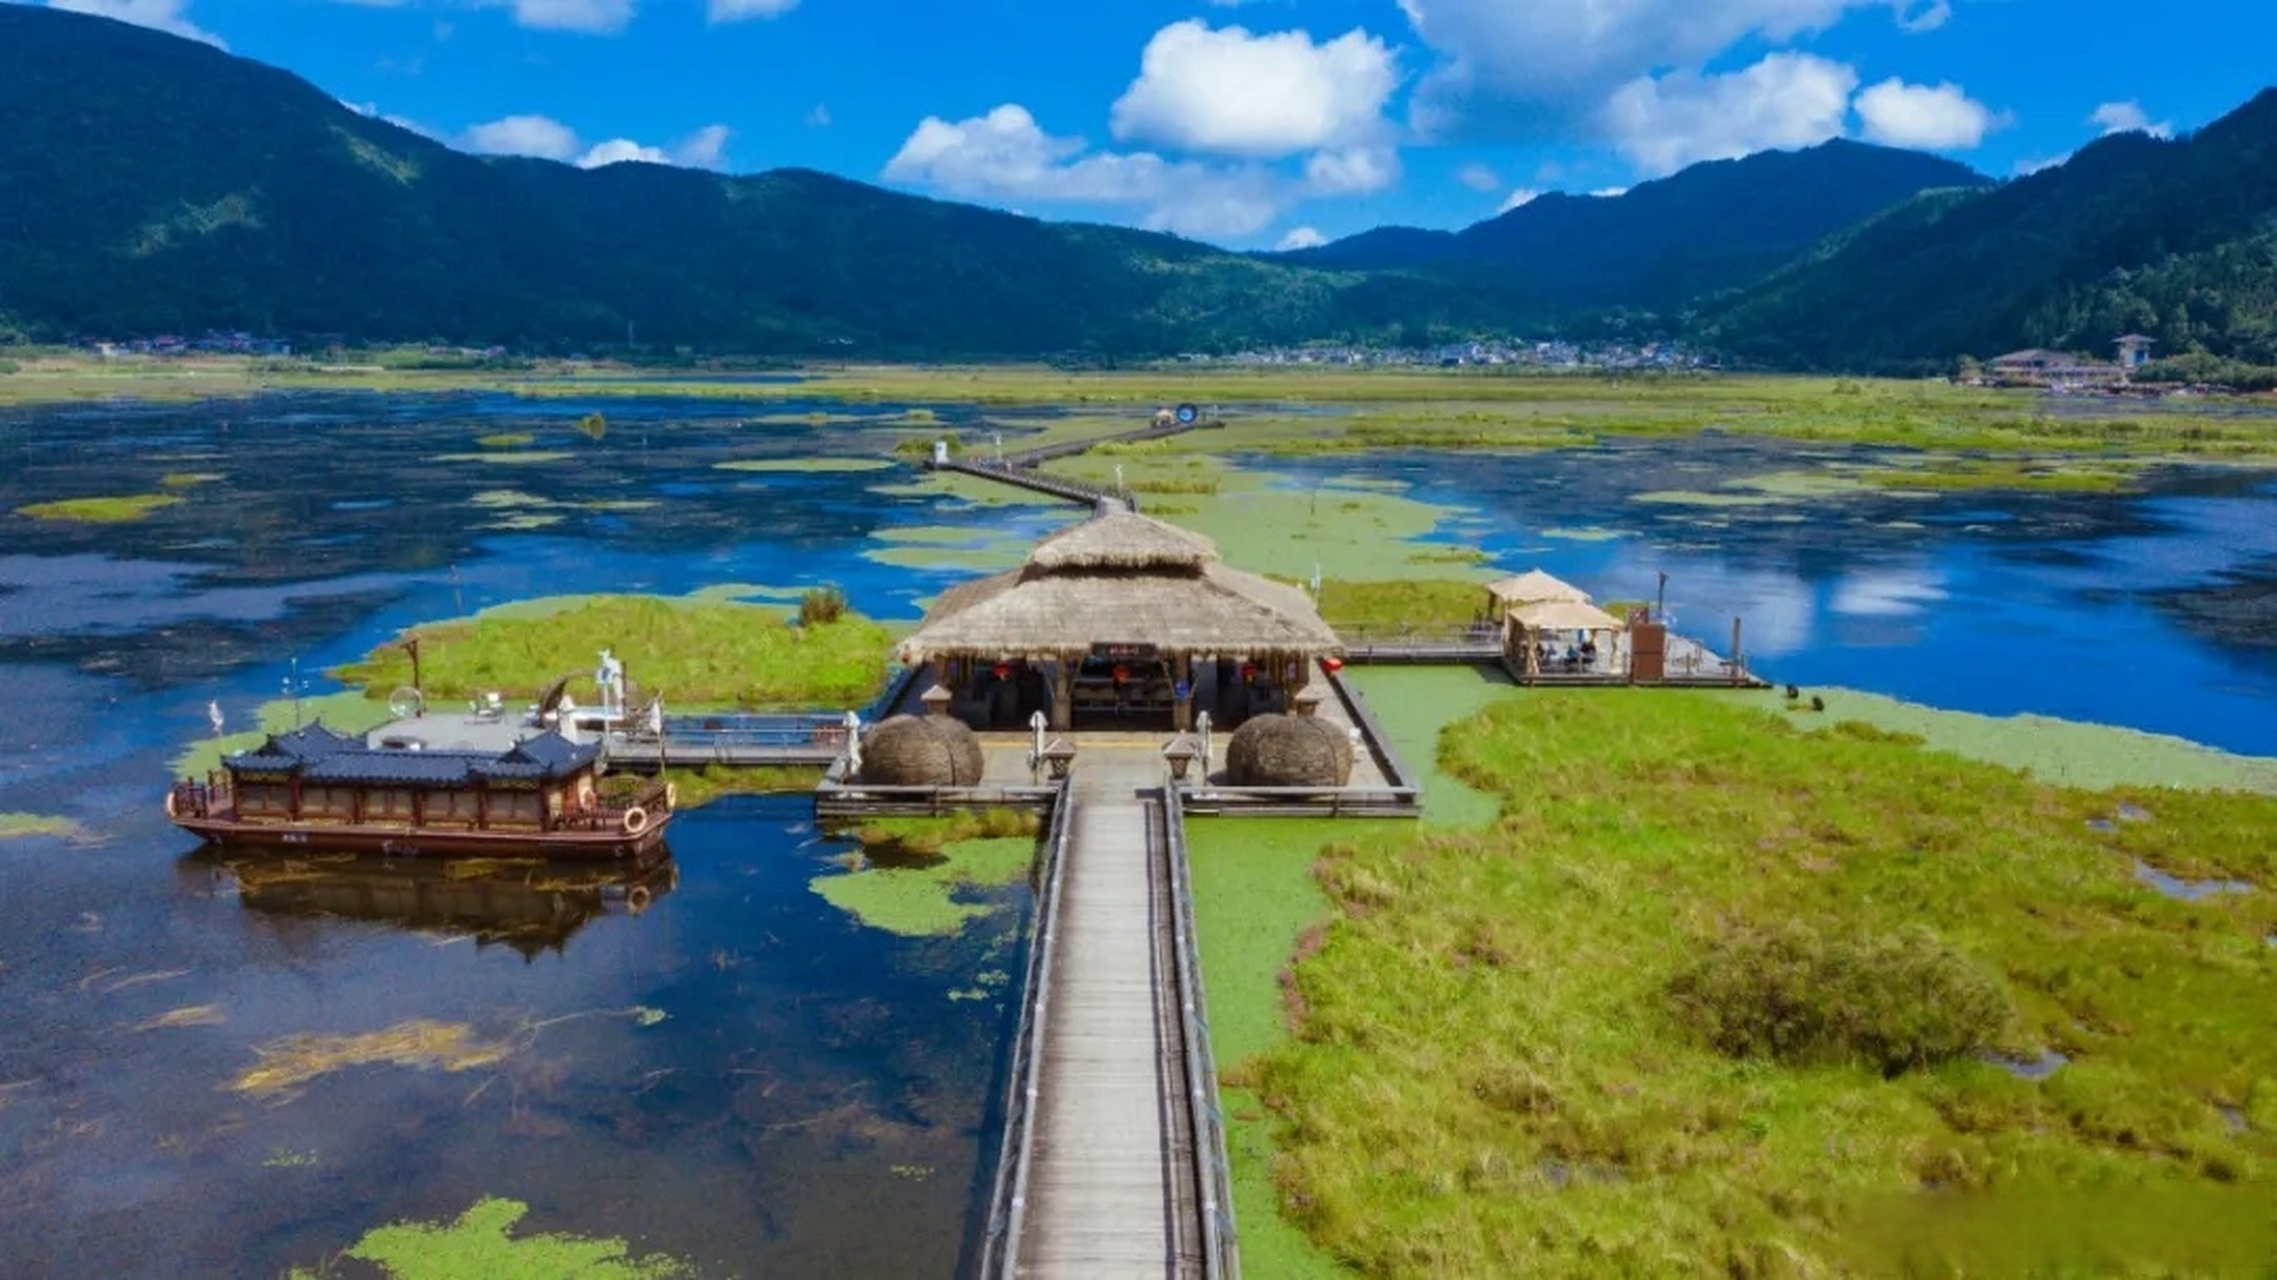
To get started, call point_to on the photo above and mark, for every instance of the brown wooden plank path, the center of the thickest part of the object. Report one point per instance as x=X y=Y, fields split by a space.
x=1110 y=1192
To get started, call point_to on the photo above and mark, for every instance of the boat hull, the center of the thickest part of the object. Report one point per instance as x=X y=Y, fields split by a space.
x=409 y=842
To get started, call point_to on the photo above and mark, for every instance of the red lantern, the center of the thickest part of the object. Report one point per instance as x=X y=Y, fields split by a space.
x=1333 y=664
x=1003 y=670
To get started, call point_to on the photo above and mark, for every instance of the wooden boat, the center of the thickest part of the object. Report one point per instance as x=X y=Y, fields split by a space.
x=314 y=788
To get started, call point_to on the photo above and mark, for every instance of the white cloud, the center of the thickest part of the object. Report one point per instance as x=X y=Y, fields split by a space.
x=1520 y=198
x=1355 y=171
x=532 y=135
x=741 y=10
x=169 y=16
x=549 y=139
x=2033 y=164
x=1232 y=93
x=1609 y=193
x=1301 y=238
x=602 y=17
x=1479 y=178
x=819 y=118
x=1786 y=100
x=1005 y=156
x=2129 y=117
x=1927 y=117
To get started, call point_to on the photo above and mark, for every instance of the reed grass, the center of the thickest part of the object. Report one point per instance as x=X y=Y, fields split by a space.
x=1494 y=1072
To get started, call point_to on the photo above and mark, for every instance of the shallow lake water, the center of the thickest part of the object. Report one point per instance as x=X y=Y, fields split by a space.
x=740 y=1074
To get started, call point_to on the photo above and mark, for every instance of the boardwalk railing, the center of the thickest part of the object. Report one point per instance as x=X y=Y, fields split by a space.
x=1213 y=1175
x=1008 y=1203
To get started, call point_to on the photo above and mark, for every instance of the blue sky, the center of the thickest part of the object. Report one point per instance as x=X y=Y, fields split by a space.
x=1252 y=123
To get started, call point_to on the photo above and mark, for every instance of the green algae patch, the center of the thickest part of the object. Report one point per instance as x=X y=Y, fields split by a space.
x=692 y=652
x=1404 y=604
x=1700 y=498
x=189 y=479
x=503 y=458
x=506 y=440
x=1417 y=707
x=480 y=1245
x=805 y=465
x=921 y=898
x=2066 y=752
x=118 y=510
x=745 y=592
x=2022 y=475
x=524 y=521
x=348 y=711
x=26 y=826
x=1589 y=533
x=1494 y=1057
x=980 y=557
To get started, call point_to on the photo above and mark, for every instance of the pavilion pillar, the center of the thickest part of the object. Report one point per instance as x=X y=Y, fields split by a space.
x=1063 y=694
x=1182 y=707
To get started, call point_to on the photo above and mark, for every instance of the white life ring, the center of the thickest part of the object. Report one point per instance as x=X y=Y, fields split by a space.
x=636 y=899
x=671 y=796
x=636 y=820
x=170 y=802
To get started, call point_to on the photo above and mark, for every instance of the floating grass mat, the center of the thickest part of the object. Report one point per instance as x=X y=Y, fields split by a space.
x=2064 y=752
x=480 y=1245
x=116 y=510
x=694 y=652
x=1425 y=604
x=26 y=826
x=189 y=479
x=913 y=873
x=288 y=1064
x=699 y=787
x=506 y=440
x=1644 y=1022
x=503 y=458
x=794 y=466
x=2024 y=475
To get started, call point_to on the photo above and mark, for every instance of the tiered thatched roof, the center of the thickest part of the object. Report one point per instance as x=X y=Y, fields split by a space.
x=1122 y=578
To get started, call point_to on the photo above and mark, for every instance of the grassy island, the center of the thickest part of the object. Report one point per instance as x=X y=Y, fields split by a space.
x=1715 y=994
x=115 y=510
x=697 y=653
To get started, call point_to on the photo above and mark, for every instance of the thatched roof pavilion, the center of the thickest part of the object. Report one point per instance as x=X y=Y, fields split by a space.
x=1122 y=586
x=1528 y=588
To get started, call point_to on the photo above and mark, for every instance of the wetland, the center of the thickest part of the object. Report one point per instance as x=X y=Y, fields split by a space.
x=786 y=1060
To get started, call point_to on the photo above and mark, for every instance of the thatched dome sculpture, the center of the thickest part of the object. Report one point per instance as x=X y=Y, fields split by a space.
x=1288 y=751
x=921 y=751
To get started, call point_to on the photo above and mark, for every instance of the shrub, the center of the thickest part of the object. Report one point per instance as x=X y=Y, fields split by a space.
x=1897 y=1001
x=821 y=606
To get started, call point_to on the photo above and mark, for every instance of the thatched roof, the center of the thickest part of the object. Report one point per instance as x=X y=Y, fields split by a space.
x=1119 y=538
x=1534 y=585
x=1122 y=578
x=1565 y=615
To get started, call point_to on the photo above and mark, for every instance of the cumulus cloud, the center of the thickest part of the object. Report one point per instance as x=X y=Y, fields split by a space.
x=1520 y=198
x=1228 y=92
x=1005 y=156
x=1479 y=178
x=1301 y=238
x=1932 y=117
x=2129 y=117
x=169 y=16
x=546 y=138
x=741 y=10
x=1539 y=65
x=1663 y=123
x=1356 y=171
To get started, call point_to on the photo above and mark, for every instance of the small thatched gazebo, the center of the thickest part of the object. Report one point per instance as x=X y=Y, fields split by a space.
x=1530 y=587
x=1114 y=612
x=1528 y=627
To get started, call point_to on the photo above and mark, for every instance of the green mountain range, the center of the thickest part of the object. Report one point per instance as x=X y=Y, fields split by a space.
x=150 y=184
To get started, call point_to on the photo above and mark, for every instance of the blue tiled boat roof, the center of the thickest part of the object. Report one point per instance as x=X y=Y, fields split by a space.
x=320 y=755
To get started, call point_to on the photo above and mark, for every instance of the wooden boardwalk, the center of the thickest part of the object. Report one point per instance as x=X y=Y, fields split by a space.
x=1111 y=1181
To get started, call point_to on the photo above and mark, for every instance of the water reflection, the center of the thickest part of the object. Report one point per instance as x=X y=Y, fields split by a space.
x=530 y=906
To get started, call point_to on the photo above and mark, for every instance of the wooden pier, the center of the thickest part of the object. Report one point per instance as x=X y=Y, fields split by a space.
x=1114 y=1154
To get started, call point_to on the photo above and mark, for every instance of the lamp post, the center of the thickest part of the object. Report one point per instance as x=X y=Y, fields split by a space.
x=1660 y=602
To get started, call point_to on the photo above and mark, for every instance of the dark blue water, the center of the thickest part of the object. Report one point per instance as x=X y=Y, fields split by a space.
x=2156 y=610
x=812 y=1101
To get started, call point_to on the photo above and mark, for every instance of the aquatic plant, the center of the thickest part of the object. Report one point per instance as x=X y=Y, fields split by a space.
x=479 y=1245
x=25 y=826
x=913 y=892
x=286 y=1065
x=114 y=510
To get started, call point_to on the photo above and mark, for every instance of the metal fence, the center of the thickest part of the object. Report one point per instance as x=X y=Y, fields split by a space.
x=1008 y=1203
